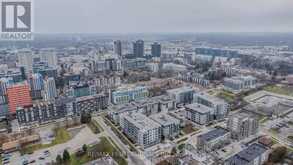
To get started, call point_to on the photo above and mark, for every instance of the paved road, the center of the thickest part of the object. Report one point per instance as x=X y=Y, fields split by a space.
x=133 y=158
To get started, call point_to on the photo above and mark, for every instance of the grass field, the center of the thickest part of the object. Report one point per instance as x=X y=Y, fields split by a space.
x=283 y=90
x=61 y=136
x=99 y=150
x=227 y=96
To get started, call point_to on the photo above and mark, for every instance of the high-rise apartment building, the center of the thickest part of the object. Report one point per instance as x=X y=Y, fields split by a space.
x=18 y=96
x=156 y=49
x=138 y=48
x=49 y=56
x=25 y=59
x=242 y=126
x=36 y=85
x=50 y=91
x=118 y=47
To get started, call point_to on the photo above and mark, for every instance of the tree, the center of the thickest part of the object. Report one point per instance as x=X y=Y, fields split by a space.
x=66 y=156
x=173 y=151
x=84 y=148
x=85 y=117
x=59 y=159
x=278 y=154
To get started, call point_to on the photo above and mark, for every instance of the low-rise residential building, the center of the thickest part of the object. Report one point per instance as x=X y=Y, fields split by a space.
x=255 y=154
x=213 y=139
x=242 y=125
x=239 y=83
x=125 y=95
x=140 y=129
x=182 y=95
x=170 y=126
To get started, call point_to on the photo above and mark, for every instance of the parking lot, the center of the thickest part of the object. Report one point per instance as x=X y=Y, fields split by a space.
x=47 y=155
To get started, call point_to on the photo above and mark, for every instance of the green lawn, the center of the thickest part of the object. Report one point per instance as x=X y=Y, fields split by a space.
x=61 y=136
x=283 y=90
x=99 y=150
x=227 y=96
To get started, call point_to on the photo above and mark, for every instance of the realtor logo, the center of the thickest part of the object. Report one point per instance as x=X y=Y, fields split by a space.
x=16 y=20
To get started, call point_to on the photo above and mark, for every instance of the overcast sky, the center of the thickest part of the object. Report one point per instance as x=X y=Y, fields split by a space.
x=139 y=16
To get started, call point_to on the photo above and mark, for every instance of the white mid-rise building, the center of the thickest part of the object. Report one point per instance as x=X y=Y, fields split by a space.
x=141 y=129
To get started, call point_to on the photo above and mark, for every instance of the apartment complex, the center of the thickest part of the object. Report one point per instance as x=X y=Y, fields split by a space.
x=242 y=125
x=91 y=103
x=140 y=129
x=213 y=139
x=148 y=106
x=170 y=126
x=182 y=95
x=39 y=113
x=18 y=96
x=219 y=106
x=255 y=154
x=239 y=83
x=125 y=95
x=42 y=112
x=199 y=113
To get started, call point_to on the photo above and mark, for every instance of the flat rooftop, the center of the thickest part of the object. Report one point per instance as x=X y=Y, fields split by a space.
x=213 y=134
x=210 y=98
x=141 y=121
x=199 y=108
x=179 y=90
x=164 y=119
x=122 y=108
x=247 y=155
